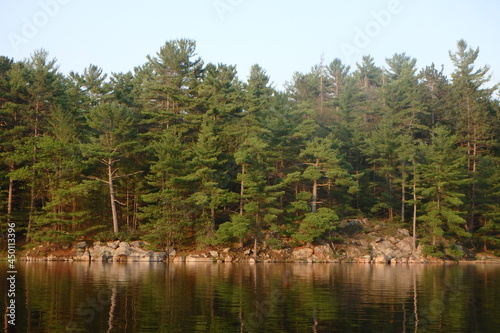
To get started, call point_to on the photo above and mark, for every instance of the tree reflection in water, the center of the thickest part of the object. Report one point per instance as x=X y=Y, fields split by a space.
x=204 y=297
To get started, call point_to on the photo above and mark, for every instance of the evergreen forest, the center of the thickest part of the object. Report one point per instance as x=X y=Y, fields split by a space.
x=184 y=153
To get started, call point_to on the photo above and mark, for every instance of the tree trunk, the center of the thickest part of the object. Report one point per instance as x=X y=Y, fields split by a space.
x=403 y=192
x=242 y=188
x=212 y=219
x=32 y=193
x=314 y=203
x=127 y=205
x=33 y=169
x=10 y=197
x=471 y=223
x=112 y=195
x=136 y=210
x=414 y=209
x=390 y=210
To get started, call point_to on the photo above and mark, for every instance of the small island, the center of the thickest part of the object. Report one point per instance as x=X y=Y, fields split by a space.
x=181 y=160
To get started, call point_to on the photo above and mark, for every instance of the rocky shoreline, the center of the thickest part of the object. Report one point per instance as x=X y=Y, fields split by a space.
x=391 y=250
x=358 y=241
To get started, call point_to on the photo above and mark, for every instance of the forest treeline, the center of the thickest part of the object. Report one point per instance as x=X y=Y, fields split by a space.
x=180 y=152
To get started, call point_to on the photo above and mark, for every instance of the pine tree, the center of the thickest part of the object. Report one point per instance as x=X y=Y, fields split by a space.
x=91 y=85
x=220 y=95
x=259 y=193
x=8 y=134
x=36 y=88
x=210 y=184
x=487 y=204
x=124 y=88
x=167 y=215
x=59 y=163
x=381 y=149
x=471 y=114
x=113 y=127
x=259 y=204
x=442 y=175
x=369 y=79
x=402 y=96
x=211 y=167
x=314 y=225
x=368 y=73
x=221 y=103
x=338 y=74
x=435 y=95
x=405 y=112
x=170 y=81
x=326 y=169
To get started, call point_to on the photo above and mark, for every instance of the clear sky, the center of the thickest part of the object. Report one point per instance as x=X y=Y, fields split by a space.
x=281 y=36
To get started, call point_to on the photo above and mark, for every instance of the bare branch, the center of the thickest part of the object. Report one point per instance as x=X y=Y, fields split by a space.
x=96 y=178
x=120 y=203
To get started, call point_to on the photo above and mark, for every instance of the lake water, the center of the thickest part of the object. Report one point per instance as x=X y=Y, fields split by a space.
x=203 y=297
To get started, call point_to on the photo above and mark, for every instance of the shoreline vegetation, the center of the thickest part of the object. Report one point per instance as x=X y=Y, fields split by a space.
x=368 y=164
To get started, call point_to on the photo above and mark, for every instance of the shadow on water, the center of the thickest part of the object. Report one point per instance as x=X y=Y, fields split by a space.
x=205 y=297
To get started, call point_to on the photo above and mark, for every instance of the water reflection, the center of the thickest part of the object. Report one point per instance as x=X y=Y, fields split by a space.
x=204 y=297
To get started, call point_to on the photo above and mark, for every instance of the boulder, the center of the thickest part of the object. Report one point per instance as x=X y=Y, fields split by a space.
x=405 y=247
x=80 y=245
x=302 y=253
x=381 y=259
x=100 y=252
x=197 y=258
x=404 y=232
x=355 y=223
x=352 y=251
x=228 y=258
x=124 y=245
x=322 y=250
x=179 y=259
x=82 y=256
x=137 y=254
x=364 y=259
x=113 y=245
x=122 y=250
x=214 y=254
x=137 y=244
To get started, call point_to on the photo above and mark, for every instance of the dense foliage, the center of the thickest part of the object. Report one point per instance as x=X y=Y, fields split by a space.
x=182 y=152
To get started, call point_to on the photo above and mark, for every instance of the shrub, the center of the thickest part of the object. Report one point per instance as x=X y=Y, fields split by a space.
x=316 y=224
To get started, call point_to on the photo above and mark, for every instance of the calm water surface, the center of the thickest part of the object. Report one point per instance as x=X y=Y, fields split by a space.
x=200 y=297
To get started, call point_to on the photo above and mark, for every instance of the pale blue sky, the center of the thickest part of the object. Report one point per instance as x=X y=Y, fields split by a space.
x=281 y=36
